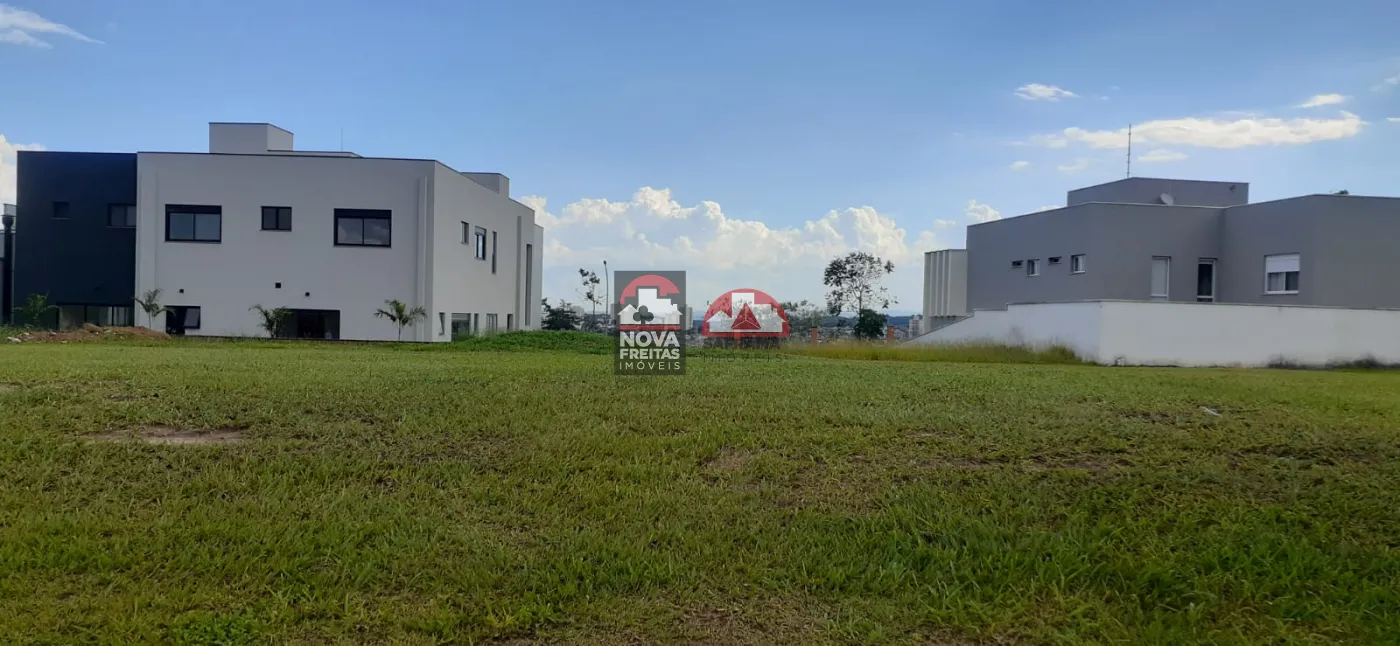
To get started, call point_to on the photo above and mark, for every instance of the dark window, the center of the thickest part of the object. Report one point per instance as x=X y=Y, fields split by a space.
x=466 y=233
x=529 y=280
x=277 y=218
x=75 y=316
x=1054 y=260
x=121 y=215
x=181 y=318
x=193 y=223
x=60 y=210
x=480 y=243
x=1016 y=263
x=363 y=228
x=493 y=252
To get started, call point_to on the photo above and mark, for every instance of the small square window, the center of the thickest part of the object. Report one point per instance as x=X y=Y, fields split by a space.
x=1076 y=263
x=1015 y=264
x=121 y=215
x=1033 y=267
x=1281 y=273
x=276 y=218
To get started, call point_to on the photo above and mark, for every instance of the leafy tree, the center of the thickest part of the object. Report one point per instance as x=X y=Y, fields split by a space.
x=854 y=283
x=35 y=309
x=1342 y=192
x=150 y=304
x=400 y=315
x=562 y=317
x=272 y=319
x=803 y=316
x=589 y=291
x=870 y=325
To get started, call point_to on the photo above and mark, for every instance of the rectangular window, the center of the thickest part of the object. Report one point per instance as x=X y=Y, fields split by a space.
x=442 y=323
x=75 y=316
x=466 y=233
x=1205 y=280
x=276 y=218
x=1033 y=267
x=1016 y=263
x=480 y=243
x=476 y=323
x=1281 y=273
x=193 y=223
x=529 y=280
x=60 y=210
x=1076 y=263
x=1054 y=260
x=1161 y=277
x=121 y=215
x=181 y=318
x=510 y=322
x=363 y=228
x=490 y=322
x=493 y=252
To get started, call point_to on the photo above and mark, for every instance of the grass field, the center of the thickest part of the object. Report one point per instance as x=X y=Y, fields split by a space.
x=491 y=494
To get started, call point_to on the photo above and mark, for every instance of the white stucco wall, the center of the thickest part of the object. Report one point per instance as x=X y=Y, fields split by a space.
x=225 y=279
x=460 y=283
x=1190 y=334
x=1187 y=334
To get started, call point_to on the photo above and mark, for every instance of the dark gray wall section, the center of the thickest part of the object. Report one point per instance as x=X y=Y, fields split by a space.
x=79 y=260
x=1149 y=190
x=1118 y=240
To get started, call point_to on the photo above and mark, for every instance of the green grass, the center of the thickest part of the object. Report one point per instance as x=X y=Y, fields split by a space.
x=960 y=353
x=384 y=495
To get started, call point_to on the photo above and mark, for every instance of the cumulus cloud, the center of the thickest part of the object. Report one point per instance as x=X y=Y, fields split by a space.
x=18 y=26
x=652 y=229
x=1161 y=155
x=1322 y=99
x=944 y=224
x=1018 y=165
x=7 y=167
x=1078 y=166
x=1042 y=92
x=979 y=212
x=1211 y=133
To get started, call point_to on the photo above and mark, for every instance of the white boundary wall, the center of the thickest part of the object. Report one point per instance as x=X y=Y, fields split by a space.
x=1186 y=334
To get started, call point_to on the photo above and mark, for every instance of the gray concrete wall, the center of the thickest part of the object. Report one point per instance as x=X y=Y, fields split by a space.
x=1118 y=241
x=1149 y=190
x=1346 y=246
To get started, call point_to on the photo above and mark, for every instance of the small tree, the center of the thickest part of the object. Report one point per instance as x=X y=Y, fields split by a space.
x=272 y=319
x=803 y=316
x=400 y=315
x=1342 y=192
x=854 y=282
x=35 y=309
x=562 y=317
x=150 y=304
x=870 y=325
x=589 y=291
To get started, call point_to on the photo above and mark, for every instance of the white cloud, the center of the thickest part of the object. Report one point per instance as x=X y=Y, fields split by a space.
x=1078 y=166
x=1393 y=119
x=1386 y=83
x=1211 y=133
x=978 y=212
x=1161 y=155
x=944 y=224
x=1042 y=92
x=1048 y=207
x=17 y=27
x=1018 y=165
x=1323 y=99
x=7 y=167
x=653 y=230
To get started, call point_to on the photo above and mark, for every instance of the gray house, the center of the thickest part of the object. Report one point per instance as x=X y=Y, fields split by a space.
x=1177 y=240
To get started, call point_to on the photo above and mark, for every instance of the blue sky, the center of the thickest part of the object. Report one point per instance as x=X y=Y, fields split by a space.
x=771 y=135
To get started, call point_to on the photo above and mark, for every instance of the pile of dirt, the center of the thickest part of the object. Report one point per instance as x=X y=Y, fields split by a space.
x=88 y=332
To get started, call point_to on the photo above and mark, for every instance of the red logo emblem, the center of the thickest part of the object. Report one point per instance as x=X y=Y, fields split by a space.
x=745 y=313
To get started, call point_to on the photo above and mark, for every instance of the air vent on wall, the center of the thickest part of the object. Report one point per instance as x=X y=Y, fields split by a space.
x=1015 y=264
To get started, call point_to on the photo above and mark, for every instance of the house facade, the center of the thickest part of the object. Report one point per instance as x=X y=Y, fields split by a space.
x=1178 y=241
x=253 y=222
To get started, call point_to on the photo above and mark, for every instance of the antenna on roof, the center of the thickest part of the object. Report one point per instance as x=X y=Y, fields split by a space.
x=1130 y=151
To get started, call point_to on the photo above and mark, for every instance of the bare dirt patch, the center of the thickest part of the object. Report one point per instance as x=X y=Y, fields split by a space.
x=172 y=435
x=8 y=388
x=727 y=460
x=88 y=332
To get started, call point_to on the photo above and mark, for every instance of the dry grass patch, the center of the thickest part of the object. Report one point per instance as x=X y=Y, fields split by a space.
x=171 y=435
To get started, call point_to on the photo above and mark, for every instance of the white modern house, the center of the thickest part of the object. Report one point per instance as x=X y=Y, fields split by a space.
x=331 y=236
